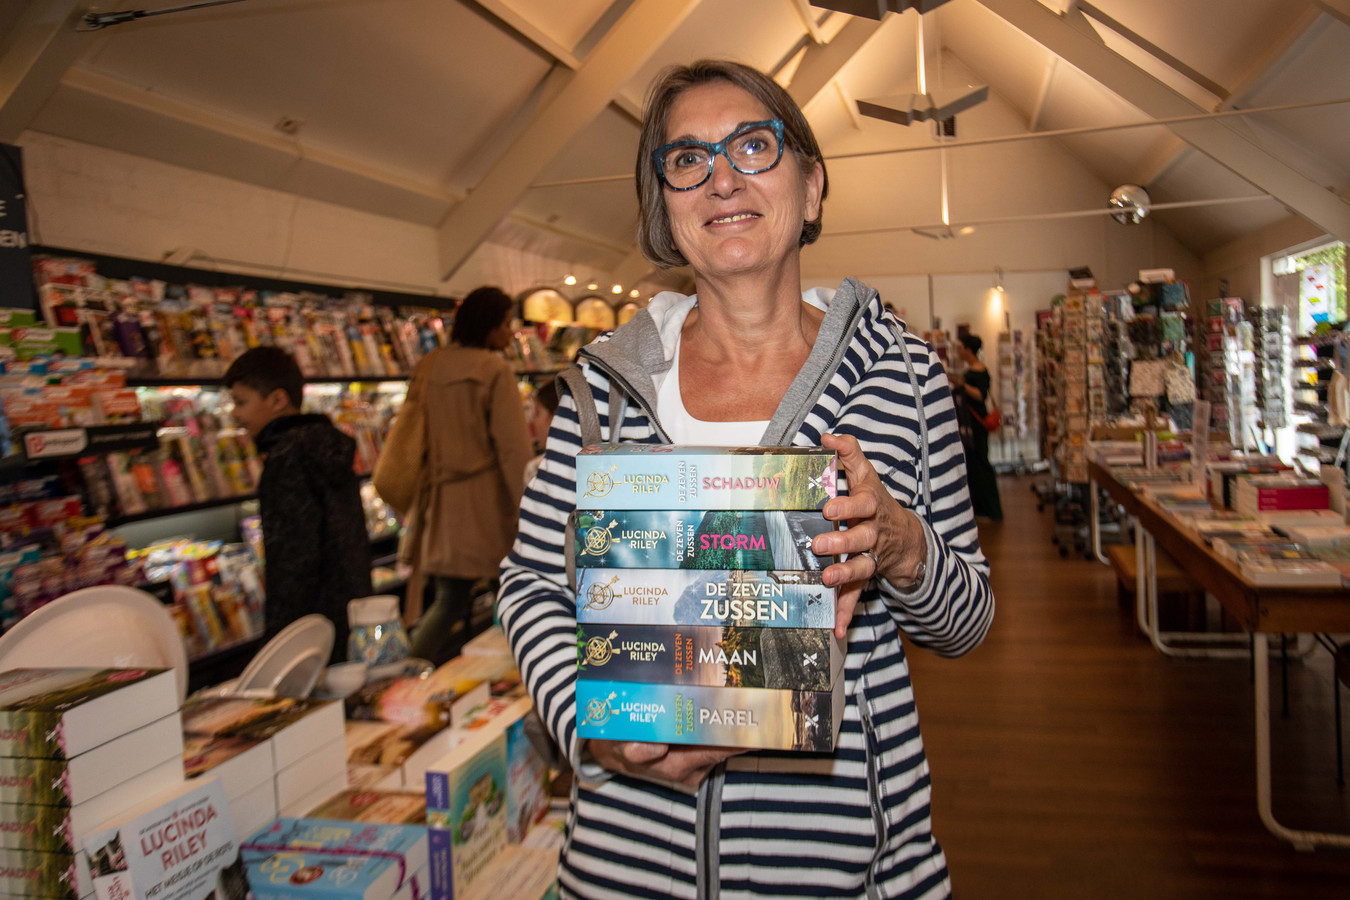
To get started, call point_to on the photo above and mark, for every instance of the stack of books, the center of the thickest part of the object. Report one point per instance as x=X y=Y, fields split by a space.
x=701 y=615
x=179 y=844
x=77 y=747
x=1278 y=562
x=363 y=805
x=1266 y=493
x=272 y=756
x=492 y=788
x=295 y=858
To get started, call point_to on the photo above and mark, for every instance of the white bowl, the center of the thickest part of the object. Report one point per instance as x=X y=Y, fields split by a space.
x=344 y=678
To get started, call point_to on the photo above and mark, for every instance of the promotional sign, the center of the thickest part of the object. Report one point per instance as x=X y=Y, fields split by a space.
x=16 y=261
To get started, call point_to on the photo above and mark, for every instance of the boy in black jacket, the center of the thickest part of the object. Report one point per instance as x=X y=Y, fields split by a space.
x=314 y=529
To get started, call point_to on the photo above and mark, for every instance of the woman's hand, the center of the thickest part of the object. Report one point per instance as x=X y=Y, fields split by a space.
x=659 y=762
x=883 y=538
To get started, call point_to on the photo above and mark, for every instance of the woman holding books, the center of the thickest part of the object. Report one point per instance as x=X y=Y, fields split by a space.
x=731 y=182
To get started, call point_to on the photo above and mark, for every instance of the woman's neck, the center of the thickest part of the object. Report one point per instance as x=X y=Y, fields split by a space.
x=736 y=317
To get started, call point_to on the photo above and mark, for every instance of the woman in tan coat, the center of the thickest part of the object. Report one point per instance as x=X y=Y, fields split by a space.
x=465 y=514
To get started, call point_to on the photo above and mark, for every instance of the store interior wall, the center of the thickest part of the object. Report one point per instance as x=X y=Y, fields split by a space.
x=105 y=201
x=1239 y=262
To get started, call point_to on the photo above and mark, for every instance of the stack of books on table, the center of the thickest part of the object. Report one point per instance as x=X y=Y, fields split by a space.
x=77 y=747
x=1266 y=493
x=395 y=727
x=179 y=844
x=1278 y=561
x=272 y=756
x=295 y=858
x=491 y=788
x=701 y=615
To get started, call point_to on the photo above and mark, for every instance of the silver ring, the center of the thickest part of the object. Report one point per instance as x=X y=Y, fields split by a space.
x=876 y=564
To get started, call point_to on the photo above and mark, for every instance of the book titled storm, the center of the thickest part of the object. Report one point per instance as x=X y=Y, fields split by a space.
x=772 y=599
x=732 y=656
x=660 y=476
x=697 y=539
x=753 y=718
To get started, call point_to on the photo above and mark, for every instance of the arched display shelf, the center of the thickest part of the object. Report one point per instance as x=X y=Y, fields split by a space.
x=595 y=312
x=545 y=304
x=627 y=311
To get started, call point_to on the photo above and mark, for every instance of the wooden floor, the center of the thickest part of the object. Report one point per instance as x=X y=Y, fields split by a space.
x=1071 y=760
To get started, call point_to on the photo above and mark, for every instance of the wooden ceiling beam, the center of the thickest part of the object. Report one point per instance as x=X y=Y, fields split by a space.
x=1218 y=139
x=1338 y=8
x=616 y=59
x=35 y=51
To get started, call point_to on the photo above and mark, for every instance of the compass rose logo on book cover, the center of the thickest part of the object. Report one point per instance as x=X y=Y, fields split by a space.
x=599 y=484
x=599 y=650
x=598 y=539
x=600 y=594
x=598 y=711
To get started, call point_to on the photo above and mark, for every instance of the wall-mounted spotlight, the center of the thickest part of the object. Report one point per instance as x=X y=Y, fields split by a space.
x=998 y=280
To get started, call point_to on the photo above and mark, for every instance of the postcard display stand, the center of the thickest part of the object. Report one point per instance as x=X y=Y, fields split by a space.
x=1321 y=435
x=1082 y=382
x=1014 y=385
x=1049 y=361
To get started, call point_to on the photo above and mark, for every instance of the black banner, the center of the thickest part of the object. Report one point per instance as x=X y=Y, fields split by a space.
x=16 y=260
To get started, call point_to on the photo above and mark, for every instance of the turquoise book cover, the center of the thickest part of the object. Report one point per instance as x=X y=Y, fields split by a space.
x=698 y=539
x=776 y=599
x=753 y=718
x=663 y=476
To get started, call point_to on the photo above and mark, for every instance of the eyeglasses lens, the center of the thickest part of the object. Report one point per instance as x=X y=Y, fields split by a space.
x=751 y=151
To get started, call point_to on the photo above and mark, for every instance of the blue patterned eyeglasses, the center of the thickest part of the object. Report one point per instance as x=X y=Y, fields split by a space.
x=753 y=148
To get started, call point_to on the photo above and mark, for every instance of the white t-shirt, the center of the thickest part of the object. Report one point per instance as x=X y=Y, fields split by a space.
x=685 y=429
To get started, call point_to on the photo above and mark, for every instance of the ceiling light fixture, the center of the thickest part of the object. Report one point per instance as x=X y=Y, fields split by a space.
x=932 y=106
x=593 y=286
x=998 y=279
x=617 y=289
x=633 y=293
x=93 y=21
x=569 y=279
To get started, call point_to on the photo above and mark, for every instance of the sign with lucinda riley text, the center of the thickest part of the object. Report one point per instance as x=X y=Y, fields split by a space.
x=16 y=260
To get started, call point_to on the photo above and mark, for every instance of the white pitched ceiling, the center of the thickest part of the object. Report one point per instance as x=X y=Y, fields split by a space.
x=407 y=105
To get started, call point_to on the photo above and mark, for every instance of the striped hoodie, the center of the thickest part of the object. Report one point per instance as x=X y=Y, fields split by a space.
x=768 y=824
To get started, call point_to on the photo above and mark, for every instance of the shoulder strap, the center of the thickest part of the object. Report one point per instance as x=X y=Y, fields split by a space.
x=925 y=478
x=587 y=416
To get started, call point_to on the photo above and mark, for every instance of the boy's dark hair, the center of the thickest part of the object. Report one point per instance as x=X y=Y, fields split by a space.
x=480 y=314
x=547 y=396
x=972 y=342
x=267 y=369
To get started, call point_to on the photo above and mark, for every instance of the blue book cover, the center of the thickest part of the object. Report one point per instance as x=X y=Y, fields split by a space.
x=793 y=659
x=754 y=718
x=662 y=476
x=772 y=599
x=698 y=539
x=293 y=858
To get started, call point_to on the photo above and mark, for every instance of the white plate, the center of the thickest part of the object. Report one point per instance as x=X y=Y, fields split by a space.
x=290 y=664
x=108 y=625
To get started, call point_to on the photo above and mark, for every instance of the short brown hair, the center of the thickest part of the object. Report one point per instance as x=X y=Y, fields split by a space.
x=654 y=235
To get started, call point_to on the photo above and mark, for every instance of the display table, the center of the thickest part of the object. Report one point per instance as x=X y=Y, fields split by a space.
x=1261 y=610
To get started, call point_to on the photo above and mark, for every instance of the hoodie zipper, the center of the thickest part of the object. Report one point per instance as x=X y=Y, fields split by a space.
x=826 y=373
x=873 y=792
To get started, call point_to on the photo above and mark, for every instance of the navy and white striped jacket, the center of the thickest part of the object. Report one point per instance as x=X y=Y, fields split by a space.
x=770 y=824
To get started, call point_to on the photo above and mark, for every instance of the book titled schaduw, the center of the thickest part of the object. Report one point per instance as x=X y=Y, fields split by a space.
x=699 y=539
x=660 y=476
x=773 y=599
x=732 y=656
x=754 y=718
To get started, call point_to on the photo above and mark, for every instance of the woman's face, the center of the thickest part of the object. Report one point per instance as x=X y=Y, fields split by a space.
x=500 y=337
x=735 y=223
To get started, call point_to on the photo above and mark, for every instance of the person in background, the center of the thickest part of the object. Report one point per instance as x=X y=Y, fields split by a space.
x=973 y=388
x=464 y=514
x=731 y=182
x=315 y=541
x=544 y=404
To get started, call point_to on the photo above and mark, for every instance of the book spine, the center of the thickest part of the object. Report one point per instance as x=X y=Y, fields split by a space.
x=42 y=782
x=773 y=658
x=29 y=827
x=733 y=480
x=715 y=716
x=694 y=539
x=31 y=733
x=27 y=873
x=775 y=599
